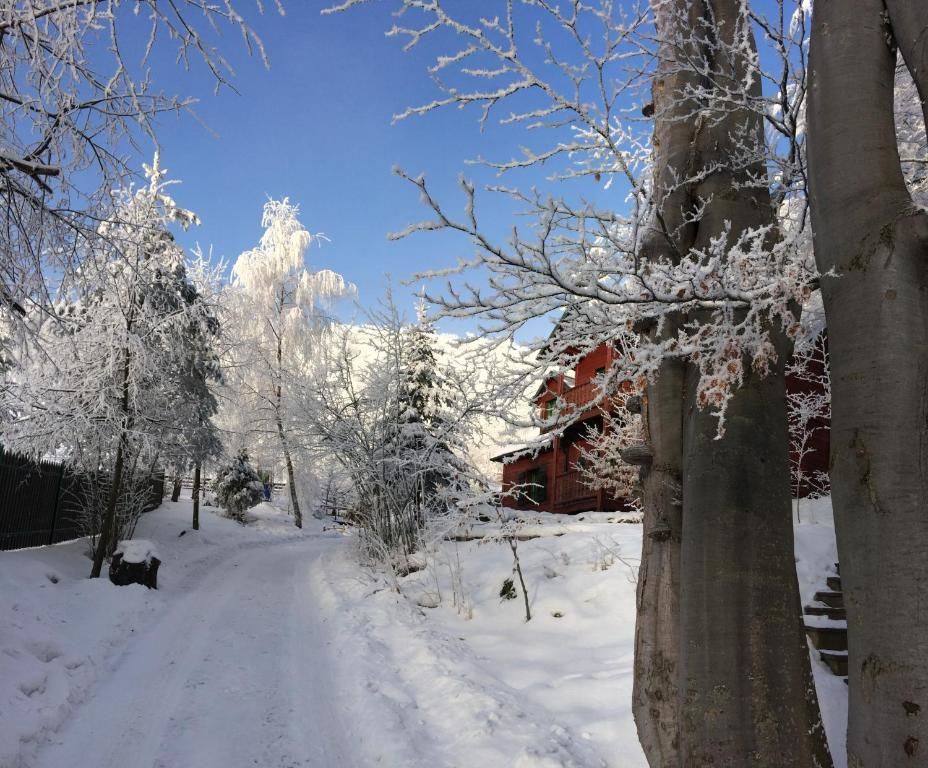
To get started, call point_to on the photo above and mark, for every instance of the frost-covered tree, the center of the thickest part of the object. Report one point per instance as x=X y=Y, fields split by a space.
x=808 y=408
x=605 y=459
x=701 y=253
x=871 y=245
x=238 y=487
x=193 y=372
x=281 y=313
x=99 y=387
x=400 y=422
x=78 y=92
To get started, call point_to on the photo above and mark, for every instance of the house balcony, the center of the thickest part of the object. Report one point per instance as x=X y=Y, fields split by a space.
x=578 y=405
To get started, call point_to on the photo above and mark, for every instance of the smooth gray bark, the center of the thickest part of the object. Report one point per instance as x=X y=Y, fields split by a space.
x=747 y=694
x=723 y=581
x=655 y=697
x=747 y=691
x=869 y=232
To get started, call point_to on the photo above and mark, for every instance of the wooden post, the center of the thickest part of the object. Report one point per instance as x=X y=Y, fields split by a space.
x=196 y=496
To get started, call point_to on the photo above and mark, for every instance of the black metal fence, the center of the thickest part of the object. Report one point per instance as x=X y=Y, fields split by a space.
x=44 y=502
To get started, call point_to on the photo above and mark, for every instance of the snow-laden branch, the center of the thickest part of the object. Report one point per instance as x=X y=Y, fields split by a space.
x=74 y=94
x=574 y=75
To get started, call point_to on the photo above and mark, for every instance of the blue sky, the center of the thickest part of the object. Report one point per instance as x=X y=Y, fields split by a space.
x=316 y=127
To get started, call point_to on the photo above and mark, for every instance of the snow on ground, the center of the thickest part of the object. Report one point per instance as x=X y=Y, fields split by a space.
x=62 y=632
x=553 y=691
x=273 y=647
x=489 y=688
x=816 y=555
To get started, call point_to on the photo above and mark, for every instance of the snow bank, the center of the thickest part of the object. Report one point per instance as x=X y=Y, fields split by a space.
x=474 y=681
x=468 y=682
x=471 y=683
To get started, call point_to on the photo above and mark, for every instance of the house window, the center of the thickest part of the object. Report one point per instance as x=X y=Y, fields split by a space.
x=547 y=410
x=534 y=484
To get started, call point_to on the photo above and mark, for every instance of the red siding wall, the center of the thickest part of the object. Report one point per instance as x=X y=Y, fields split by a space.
x=601 y=357
x=820 y=442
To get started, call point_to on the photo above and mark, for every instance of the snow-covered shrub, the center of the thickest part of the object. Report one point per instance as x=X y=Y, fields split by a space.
x=238 y=487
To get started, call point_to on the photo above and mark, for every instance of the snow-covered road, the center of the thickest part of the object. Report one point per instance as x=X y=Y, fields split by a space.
x=235 y=673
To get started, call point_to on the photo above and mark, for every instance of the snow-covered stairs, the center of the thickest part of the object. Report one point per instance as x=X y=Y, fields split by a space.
x=826 y=625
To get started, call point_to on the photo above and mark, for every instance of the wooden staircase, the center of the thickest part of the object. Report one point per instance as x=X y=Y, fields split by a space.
x=826 y=625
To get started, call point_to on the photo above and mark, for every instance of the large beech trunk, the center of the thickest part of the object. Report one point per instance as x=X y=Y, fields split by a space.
x=869 y=232
x=655 y=696
x=722 y=668
x=747 y=693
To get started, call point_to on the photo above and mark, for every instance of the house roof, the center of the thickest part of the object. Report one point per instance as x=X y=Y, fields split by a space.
x=516 y=449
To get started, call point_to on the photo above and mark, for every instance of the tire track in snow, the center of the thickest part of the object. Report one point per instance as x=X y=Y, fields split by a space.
x=234 y=674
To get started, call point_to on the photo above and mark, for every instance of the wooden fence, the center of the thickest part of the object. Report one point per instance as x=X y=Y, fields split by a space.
x=43 y=502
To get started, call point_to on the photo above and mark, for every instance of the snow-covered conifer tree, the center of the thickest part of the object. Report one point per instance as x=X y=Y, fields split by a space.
x=238 y=487
x=401 y=422
x=424 y=403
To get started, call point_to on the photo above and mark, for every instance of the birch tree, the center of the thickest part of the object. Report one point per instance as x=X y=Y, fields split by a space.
x=281 y=310
x=694 y=257
x=871 y=244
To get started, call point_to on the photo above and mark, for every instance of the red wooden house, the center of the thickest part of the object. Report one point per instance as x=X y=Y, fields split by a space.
x=550 y=478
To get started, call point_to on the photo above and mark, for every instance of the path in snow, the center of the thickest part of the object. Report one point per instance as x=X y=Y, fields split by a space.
x=236 y=673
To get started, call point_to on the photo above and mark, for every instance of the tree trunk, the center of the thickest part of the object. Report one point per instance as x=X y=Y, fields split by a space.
x=869 y=232
x=278 y=409
x=196 y=496
x=297 y=514
x=747 y=692
x=175 y=491
x=655 y=700
x=718 y=577
x=655 y=696
x=108 y=529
